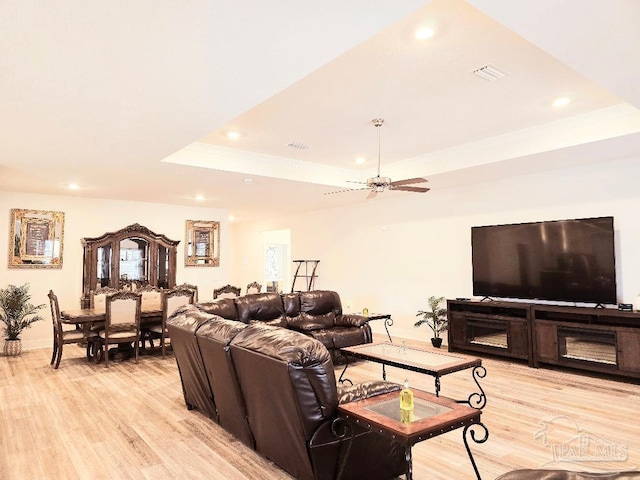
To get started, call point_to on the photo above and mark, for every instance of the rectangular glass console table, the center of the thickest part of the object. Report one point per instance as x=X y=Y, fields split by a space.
x=432 y=416
x=418 y=360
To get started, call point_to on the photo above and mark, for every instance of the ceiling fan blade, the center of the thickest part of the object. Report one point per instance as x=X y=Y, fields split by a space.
x=353 y=181
x=411 y=189
x=372 y=194
x=409 y=181
x=346 y=190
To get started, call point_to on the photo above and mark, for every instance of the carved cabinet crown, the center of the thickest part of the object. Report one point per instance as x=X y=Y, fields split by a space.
x=131 y=257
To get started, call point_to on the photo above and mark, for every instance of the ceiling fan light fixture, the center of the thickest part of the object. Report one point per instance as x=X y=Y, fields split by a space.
x=379 y=184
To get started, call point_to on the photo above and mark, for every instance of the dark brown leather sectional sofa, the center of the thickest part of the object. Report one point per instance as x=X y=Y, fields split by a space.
x=317 y=313
x=275 y=390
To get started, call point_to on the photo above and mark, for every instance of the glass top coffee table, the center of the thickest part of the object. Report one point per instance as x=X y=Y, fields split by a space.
x=418 y=360
x=433 y=416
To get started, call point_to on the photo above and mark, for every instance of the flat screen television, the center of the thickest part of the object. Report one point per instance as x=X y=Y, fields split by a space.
x=563 y=260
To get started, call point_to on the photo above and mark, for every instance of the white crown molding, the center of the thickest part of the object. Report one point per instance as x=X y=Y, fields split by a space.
x=214 y=157
x=618 y=120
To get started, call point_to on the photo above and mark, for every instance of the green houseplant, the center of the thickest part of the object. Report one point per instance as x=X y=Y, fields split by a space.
x=17 y=313
x=436 y=318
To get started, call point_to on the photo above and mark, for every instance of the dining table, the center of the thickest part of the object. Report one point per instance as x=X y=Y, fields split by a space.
x=90 y=316
x=86 y=318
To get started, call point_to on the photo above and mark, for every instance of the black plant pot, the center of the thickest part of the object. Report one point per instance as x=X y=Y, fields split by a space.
x=436 y=342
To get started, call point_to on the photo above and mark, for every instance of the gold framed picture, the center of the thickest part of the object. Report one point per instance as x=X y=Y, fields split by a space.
x=202 y=246
x=36 y=239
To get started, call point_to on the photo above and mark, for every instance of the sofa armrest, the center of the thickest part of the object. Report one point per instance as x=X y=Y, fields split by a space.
x=351 y=320
x=360 y=391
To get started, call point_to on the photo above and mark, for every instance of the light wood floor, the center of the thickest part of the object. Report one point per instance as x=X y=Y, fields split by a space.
x=83 y=421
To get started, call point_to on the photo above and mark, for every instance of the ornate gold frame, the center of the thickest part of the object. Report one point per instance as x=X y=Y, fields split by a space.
x=36 y=239
x=202 y=244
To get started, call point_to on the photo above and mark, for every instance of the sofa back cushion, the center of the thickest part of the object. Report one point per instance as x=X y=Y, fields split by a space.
x=261 y=307
x=223 y=307
x=318 y=310
x=182 y=328
x=213 y=338
x=289 y=387
x=291 y=303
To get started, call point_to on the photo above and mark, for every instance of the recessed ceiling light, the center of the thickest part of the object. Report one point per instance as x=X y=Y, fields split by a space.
x=233 y=135
x=360 y=160
x=200 y=198
x=74 y=186
x=424 y=33
x=231 y=218
x=561 y=102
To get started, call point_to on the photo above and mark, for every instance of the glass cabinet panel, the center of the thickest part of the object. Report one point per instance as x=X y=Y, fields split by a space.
x=103 y=270
x=594 y=346
x=493 y=333
x=134 y=253
x=163 y=267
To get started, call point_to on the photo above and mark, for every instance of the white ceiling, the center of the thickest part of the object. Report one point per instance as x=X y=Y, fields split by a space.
x=133 y=99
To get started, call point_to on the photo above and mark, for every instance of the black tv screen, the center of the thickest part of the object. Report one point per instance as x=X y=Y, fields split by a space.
x=564 y=260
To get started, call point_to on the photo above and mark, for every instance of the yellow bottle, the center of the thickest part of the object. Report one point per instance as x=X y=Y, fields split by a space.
x=406 y=404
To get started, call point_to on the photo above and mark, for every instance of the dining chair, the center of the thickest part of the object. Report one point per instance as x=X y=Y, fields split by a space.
x=122 y=322
x=151 y=297
x=62 y=336
x=172 y=300
x=228 y=291
x=98 y=297
x=190 y=286
x=254 y=287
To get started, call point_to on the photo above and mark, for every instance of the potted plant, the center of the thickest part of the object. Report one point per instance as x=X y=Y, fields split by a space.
x=435 y=318
x=17 y=313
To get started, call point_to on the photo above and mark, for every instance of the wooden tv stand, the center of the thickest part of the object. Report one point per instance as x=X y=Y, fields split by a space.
x=595 y=339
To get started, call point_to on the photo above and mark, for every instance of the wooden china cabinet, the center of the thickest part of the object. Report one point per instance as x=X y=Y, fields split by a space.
x=132 y=255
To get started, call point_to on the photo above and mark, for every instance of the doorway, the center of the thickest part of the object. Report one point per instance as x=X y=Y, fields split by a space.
x=276 y=247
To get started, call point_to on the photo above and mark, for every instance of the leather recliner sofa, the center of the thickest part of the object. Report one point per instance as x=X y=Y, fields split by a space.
x=316 y=313
x=275 y=389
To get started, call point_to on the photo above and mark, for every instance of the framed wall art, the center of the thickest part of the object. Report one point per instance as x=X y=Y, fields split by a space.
x=202 y=245
x=36 y=239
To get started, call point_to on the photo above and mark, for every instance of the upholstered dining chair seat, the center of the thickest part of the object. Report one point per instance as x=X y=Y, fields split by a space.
x=126 y=334
x=76 y=335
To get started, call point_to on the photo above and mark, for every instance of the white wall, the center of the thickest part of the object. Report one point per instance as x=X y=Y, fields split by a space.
x=91 y=218
x=393 y=252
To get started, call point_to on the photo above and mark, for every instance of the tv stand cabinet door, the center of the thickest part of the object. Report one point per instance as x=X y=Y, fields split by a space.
x=457 y=330
x=546 y=342
x=628 y=351
x=519 y=338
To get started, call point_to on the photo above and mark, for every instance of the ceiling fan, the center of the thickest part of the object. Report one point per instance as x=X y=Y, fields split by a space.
x=378 y=184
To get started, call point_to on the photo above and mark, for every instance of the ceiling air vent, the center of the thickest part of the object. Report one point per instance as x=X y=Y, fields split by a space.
x=298 y=145
x=489 y=72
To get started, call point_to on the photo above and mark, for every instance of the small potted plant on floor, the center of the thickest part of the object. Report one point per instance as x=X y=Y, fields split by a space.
x=435 y=318
x=17 y=313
